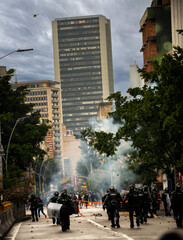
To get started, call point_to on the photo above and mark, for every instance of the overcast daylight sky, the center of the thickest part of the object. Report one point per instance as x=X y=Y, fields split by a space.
x=20 y=30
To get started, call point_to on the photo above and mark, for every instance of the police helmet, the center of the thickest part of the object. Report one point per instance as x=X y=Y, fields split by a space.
x=112 y=189
x=131 y=187
x=64 y=192
x=166 y=190
x=140 y=189
x=178 y=187
x=56 y=194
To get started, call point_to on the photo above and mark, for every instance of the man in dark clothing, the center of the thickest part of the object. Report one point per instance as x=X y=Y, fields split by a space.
x=107 y=206
x=177 y=205
x=133 y=205
x=33 y=207
x=54 y=200
x=40 y=207
x=166 y=196
x=147 y=203
x=86 y=199
x=155 y=199
x=141 y=204
x=113 y=202
x=66 y=210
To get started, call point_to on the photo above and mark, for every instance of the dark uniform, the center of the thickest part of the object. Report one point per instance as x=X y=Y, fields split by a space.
x=147 y=203
x=133 y=205
x=165 y=197
x=33 y=207
x=141 y=204
x=177 y=205
x=107 y=205
x=113 y=202
x=54 y=200
x=155 y=201
x=66 y=210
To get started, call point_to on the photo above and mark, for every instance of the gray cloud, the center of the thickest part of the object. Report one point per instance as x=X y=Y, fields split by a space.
x=19 y=29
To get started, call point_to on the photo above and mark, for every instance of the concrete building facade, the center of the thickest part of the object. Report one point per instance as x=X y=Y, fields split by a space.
x=177 y=22
x=83 y=65
x=45 y=94
x=103 y=110
x=135 y=79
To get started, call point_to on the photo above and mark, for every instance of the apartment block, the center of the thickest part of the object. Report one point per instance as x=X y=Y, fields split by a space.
x=45 y=95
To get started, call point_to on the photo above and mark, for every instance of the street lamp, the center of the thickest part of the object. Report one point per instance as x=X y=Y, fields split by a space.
x=1 y=163
x=19 y=50
x=6 y=159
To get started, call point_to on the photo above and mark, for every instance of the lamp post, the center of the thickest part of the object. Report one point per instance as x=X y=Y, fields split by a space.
x=1 y=163
x=7 y=151
x=19 y=50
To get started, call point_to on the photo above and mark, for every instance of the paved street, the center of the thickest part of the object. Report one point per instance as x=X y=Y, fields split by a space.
x=90 y=226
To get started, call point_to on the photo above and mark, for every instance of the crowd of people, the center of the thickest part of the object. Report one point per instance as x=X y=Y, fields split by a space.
x=141 y=203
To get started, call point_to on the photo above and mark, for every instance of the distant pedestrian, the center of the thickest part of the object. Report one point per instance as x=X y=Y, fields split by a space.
x=40 y=207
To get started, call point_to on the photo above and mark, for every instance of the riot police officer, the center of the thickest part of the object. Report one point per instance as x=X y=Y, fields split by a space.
x=107 y=206
x=147 y=203
x=112 y=202
x=133 y=205
x=166 y=198
x=141 y=204
x=33 y=207
x=155 y=199
x=67 y=209
x=54 y=200
x=177 y=205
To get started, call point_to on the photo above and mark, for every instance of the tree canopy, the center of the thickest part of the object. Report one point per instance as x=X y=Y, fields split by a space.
x=151 y=117
x=22 y=123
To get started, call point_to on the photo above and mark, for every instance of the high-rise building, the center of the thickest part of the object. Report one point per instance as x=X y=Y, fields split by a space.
x=83 y=65
x=155 y=26
x=46 y=96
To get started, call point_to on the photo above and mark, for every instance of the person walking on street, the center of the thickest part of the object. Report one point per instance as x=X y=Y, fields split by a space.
x=66 y=210
x=155 y=199
x=54 y=200
x=107 y=205
x=177 y=205
x=33 y=207
x=133 y=205
x=40 y=207
x=166 y=198
x=113 y=202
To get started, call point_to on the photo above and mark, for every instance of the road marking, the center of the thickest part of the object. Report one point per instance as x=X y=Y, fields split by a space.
x=106 y=228
x=16 y=231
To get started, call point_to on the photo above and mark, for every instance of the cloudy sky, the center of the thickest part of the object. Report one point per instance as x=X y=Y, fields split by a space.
x=20 y=30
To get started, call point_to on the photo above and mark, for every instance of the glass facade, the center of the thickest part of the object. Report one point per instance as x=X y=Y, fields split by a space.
x=79 y=49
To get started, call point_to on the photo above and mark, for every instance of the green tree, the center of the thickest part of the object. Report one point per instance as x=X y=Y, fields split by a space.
x=28 y=132
x=152 y=118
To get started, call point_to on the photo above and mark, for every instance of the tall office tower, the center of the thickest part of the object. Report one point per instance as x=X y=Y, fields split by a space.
x=83 y=64
x=46 y=96
x=155 y=26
